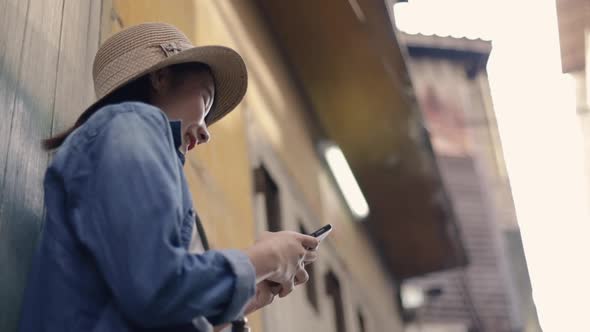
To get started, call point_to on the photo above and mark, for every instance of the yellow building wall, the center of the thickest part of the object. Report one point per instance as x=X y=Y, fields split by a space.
x=219 y=173
x=269 y=128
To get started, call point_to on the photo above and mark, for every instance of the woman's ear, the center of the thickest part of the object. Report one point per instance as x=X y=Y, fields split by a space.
x=160 y=80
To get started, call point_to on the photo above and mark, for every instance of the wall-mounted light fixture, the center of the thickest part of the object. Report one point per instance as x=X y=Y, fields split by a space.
x=345 y=179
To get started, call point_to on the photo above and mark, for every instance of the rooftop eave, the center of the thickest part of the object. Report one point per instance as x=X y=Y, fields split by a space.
x=473 y=53
x=348 y=64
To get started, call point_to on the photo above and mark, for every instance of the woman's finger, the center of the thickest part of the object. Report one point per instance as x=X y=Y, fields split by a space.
x=309 y=242
x=310 y=256
x=275 y=287
x=264 y=298
x=301 y=276
x=287 y=287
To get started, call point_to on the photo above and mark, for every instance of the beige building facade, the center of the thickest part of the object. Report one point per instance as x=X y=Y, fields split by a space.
x=493 y=292
x=573 y=18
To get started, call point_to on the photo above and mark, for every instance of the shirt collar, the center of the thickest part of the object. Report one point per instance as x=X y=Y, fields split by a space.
x=176 y=127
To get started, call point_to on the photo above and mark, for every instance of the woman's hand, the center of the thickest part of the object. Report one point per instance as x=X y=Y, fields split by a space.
x=265 y=294
x=280 y=257
x=267 y=290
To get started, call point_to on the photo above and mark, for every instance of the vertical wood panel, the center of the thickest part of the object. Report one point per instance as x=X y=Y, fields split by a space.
x=95 y=30
x=21 y=208
x=46 y=52
x=12 y=28
x=74 y=75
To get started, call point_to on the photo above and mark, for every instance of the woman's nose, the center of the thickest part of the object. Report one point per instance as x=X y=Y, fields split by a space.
x=203 y=135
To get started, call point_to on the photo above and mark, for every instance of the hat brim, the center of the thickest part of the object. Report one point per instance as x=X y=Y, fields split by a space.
x=228 y=70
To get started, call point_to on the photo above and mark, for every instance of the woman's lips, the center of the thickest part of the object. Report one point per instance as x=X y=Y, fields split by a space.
x=192 y=142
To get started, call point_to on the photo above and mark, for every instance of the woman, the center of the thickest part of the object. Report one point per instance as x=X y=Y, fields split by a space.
x=113 y=253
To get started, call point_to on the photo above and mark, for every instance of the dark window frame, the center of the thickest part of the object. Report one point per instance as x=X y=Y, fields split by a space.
x=334 y=291
x=266 y=185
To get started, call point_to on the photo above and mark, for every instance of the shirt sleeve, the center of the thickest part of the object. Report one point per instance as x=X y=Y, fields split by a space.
x=129 y=214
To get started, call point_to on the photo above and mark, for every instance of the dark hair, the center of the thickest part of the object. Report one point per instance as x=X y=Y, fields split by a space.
x=139 y=89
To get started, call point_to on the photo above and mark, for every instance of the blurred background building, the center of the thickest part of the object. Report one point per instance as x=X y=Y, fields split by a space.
x=573 y=18
x=493 y=293
x=327 y=79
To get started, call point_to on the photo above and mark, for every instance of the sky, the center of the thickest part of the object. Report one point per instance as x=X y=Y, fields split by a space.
x=541 y=136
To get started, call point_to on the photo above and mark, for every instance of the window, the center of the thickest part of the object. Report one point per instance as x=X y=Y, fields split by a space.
x=361 y=321
x=310 y=286
x=266 y=185
x=333 y=290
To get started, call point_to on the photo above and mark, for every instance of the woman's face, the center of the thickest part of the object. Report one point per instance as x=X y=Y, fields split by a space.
x=189 y=99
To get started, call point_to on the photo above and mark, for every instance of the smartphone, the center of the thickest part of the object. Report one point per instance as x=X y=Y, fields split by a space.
x=321 y=233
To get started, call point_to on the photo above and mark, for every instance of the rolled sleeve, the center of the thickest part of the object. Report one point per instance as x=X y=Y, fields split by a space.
x=244 y=287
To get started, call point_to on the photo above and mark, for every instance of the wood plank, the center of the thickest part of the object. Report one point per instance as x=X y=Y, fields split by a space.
x=74 y=72
x=95 y=29
x=21 y=208
x=12 y=29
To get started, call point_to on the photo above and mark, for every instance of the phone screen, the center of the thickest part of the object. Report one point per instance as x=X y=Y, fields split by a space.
x=321 y=233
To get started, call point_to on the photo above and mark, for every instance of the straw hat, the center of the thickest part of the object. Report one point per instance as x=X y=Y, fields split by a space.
x=144 y=48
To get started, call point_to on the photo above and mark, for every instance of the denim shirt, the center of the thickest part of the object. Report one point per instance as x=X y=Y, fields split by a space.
x=113 y=254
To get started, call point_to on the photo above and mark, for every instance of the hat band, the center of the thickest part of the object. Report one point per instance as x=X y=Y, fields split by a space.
x=173 y=48
x=137 y=61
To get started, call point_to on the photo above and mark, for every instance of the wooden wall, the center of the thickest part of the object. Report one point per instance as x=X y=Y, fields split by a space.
x=46 y=51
